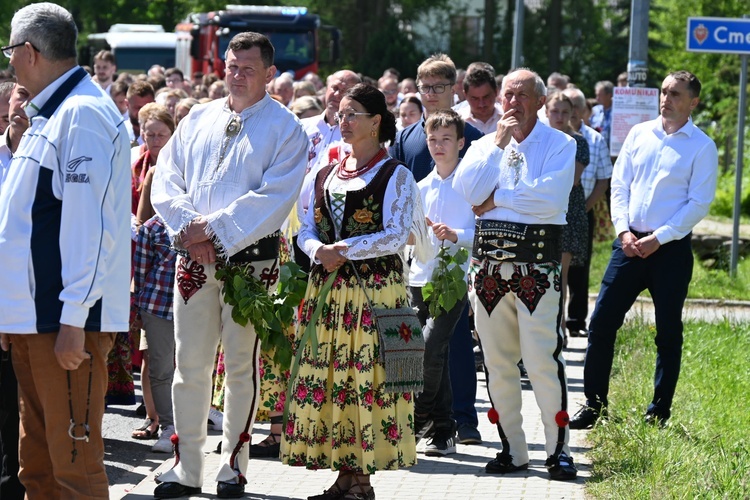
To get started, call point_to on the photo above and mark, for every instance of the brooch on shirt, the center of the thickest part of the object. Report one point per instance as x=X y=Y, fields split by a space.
x=234 y=125
x=515 y=161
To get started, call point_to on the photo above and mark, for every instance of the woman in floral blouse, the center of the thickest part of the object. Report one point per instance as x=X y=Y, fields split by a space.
x=340 y=414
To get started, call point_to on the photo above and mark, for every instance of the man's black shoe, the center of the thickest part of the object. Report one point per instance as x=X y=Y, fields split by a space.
x=655 y=419
x=503 y=464
x=230 y=490
x=585 y=418
x=175 y=490
x=561 y=467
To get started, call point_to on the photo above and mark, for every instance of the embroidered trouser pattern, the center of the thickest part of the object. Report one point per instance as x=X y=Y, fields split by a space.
x=202 y=318
x=517 y=312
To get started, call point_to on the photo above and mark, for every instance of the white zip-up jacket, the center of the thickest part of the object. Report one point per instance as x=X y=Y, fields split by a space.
x=65 y=213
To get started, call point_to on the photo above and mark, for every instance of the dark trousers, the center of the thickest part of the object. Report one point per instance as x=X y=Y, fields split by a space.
x=10 y=486
x=578 y=286
x=436 y=399
x=463 y=373
x=666 y=275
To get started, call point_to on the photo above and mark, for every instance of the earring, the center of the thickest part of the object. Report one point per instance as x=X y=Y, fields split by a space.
x=374 y=133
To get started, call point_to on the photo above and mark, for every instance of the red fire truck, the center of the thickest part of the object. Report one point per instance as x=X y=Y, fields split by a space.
x=202 y=39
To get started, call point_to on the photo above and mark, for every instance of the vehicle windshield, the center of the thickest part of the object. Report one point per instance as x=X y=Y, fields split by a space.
x=140 y=59
x=294 y=49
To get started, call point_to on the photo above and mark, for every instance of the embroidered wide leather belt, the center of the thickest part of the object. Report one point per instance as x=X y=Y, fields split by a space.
x=266 y=248
x=516 y=242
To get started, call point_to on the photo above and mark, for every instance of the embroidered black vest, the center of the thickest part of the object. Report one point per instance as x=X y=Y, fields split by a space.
x=363 y=214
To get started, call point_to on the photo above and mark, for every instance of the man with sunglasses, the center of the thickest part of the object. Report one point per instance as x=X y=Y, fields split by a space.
x=435 y=79
x=64 y=234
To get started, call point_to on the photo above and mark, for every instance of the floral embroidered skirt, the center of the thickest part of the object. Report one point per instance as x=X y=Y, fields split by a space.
x=340 y=416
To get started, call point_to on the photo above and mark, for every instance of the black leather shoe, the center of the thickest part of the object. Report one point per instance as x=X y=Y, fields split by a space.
x=503 y=464
x=655 y=419
x=561 y=468
x=230 y=490
x=175 y=490
x=585 y=418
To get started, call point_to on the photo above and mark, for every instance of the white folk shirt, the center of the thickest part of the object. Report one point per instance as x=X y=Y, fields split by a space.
x=535 y=190
x=488 y=127
x=443 y=204
x=243 y=185
x=663 y=183
x=398 y=212
x=64 y=207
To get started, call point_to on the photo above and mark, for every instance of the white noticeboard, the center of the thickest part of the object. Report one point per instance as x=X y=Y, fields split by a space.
x=630 y=106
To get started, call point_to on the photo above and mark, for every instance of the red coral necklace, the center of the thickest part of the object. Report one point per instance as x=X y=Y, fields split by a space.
x=345 y=174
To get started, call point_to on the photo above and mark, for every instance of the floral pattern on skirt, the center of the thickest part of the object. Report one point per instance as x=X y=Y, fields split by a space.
x=340 y=415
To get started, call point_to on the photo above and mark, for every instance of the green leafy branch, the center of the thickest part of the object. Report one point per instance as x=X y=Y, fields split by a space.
x=448 y=284
x=270 y=315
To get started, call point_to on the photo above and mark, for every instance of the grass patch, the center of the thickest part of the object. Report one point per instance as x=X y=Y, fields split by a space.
x=706 y=283
x=705 y=450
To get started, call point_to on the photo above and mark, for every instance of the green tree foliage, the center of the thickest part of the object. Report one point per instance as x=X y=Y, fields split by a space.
x=719 y=74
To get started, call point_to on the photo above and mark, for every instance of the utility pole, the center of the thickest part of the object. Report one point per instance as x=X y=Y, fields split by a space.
x=490 y=15
x=516 y=58
x=638 y=53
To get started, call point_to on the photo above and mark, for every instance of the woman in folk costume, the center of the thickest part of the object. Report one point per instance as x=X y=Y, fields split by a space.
x=341 y=413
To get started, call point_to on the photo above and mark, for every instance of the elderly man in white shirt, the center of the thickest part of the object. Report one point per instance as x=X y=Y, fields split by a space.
x=224 y=185
x=662 y=185
x=518 y=181
x=325 y=145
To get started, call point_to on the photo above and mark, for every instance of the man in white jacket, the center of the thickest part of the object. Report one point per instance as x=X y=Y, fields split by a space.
x=64 y=233
x=223 y=184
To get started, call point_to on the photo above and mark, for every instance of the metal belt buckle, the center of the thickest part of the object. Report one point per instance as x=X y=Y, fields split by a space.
x=500 y=254
x=499 y=243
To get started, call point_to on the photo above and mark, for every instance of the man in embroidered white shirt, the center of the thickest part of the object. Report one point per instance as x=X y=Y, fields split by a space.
x=662 y=185
x=518 y=180
x=224 y=183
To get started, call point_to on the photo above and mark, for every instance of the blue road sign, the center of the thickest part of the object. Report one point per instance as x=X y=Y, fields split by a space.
x=718 y=34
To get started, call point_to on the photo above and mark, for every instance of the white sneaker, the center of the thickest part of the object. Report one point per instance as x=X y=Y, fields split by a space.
x=164 y=443
x=215 y=419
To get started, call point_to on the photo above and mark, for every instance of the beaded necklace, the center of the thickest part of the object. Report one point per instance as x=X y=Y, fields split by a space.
x=345 y=175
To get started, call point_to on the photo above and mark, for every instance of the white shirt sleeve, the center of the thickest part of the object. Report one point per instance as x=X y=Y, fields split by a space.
x=398 y=210
x=622 y=177
x=479 y=172
x=701 y=192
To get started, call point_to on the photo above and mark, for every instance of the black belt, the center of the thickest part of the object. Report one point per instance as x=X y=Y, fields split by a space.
x=639 y=234
x=517 y=242
x=266 y=248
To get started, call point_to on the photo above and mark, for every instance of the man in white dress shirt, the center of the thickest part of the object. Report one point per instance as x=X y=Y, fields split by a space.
x=518 y=181
x=662 y=185
x=483 y=110
x=224 y=184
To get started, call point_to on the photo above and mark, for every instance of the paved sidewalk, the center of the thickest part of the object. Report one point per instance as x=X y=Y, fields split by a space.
x=459 y=476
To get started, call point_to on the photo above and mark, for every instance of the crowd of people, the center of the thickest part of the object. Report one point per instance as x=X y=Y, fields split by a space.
x=365 y=183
